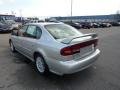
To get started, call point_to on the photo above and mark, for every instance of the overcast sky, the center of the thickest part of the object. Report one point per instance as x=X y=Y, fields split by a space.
x=59 y=7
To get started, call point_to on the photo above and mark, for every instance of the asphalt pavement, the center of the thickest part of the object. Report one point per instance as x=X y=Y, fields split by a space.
x=16 y=73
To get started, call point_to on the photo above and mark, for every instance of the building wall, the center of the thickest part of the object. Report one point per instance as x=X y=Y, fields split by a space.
x=98 y=18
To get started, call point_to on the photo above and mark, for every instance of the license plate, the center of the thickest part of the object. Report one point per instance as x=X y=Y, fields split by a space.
x=86 y=50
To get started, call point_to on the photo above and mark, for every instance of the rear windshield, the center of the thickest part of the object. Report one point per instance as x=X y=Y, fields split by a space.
x=60 y=31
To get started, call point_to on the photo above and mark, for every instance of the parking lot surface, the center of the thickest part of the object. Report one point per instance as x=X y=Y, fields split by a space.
x=17 y=74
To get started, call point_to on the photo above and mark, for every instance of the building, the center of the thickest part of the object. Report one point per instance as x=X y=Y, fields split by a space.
x=95 y=18
x=7 y=17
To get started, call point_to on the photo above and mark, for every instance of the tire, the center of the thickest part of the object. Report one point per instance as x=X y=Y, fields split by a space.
x=12 y=48
x=40 y=65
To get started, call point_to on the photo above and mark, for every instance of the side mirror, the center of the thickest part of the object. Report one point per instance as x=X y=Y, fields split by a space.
x=15 y=33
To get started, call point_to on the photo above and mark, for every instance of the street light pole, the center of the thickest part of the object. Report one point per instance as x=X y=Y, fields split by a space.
x=71 y=9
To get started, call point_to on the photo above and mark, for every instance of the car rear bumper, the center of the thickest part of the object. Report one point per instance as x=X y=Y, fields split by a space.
x=69 y=67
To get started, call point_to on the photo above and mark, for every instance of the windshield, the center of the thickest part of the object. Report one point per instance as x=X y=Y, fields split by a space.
x=60 y=31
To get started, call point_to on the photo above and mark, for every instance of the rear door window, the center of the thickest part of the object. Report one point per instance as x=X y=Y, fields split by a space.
x=33 y=32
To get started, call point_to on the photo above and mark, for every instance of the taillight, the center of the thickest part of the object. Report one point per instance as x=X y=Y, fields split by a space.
x=69 y=50
x=95 y=42
x=66 y=51
x=73 y=49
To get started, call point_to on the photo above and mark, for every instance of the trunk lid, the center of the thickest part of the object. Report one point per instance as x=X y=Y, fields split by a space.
x=81 y=45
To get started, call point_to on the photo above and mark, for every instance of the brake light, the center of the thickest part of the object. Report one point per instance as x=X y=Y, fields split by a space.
x=69 y=50
x=66 y=51
x=73 y=49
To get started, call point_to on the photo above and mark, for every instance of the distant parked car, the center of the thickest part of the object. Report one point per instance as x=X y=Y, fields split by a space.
x=33 y=21
x=86 y=25
x=95 y=25
x=13 y=24
x=78 y=23
x=75 y=25
x=55 y=47
x=115 y=23
x=4 y=27
x=109 y=25
x=103 y=25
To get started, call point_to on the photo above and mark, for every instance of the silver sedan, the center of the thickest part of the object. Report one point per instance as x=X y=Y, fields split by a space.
x=55 y=47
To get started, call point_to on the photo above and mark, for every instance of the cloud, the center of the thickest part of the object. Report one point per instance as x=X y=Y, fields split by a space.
x=6 y=1
x=12 y=1
x=1 y=2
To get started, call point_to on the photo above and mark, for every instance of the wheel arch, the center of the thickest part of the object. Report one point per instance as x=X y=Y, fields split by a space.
x=42 y=55
x=38 y=53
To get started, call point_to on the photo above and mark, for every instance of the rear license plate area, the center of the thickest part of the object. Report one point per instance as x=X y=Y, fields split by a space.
x=86 y=50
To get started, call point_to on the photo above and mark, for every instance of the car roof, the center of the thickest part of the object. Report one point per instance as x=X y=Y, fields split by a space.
x=43 y=23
